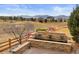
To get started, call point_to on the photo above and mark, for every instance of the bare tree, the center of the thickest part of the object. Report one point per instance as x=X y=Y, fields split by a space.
x=19 y=30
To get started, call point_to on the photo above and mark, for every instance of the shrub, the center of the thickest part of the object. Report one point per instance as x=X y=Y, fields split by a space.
x=41 y=29
x=38 y=36
x=62 y=39
x=49 y=37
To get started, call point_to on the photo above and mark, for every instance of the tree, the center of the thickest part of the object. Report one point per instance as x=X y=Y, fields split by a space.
x=45 y=20
x=73 y=24
x=60 y=20
x=40 y=20
x=32 y=19
x=18 y=30
x=50 y=18
x=56 y=20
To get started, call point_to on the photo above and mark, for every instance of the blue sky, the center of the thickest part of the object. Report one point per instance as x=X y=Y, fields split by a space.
x=36 y=9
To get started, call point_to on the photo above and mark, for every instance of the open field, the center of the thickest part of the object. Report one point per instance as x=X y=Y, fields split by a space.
x=60 y=27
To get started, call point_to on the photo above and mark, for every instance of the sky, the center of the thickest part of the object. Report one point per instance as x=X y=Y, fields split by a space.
x=36 y=9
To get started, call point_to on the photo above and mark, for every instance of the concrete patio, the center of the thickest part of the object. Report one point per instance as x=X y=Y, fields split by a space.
x=34 y=50
x=42 y=51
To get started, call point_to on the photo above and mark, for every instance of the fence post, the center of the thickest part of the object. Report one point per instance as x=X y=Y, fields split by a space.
x=10 y=45
x=28 y=35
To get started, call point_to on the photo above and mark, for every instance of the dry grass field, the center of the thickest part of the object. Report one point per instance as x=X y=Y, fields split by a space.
x=60 y=27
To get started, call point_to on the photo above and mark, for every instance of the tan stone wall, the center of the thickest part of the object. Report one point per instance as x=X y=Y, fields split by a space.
x=66 y=47
x=57 y=37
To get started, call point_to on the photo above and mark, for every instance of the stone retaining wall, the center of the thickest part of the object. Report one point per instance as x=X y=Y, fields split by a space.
x=49 y=36
x=66 y=47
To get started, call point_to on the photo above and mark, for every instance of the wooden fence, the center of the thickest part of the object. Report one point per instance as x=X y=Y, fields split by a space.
x=12 y=42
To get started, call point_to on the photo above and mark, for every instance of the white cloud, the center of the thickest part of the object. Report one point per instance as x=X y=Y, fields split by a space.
x=28 y=10
x=61 y=10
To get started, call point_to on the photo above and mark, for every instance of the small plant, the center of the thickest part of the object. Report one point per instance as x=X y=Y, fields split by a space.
x=62 y=39
x=41 y=29
x=49 y=37
x=38 y=36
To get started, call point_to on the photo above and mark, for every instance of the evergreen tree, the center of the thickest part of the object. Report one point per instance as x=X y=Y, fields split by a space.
x=73 y=24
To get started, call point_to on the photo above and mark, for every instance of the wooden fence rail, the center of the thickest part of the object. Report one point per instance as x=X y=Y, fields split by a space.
x=10 y=43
